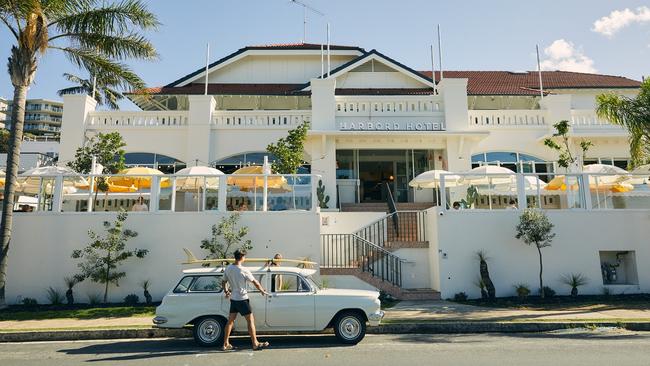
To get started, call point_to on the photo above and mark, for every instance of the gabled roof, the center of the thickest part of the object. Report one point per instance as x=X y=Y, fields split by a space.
x=376 y=54
x=527 y=82
x=226 y=89
x=288 y=46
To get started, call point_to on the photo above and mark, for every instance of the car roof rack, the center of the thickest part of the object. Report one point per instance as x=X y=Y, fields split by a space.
x=191 y=259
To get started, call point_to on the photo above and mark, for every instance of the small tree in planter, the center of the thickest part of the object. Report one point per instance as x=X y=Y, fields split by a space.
x=70 y=283
x=485 y=274
x=534 y=228
x=574 y=280
x=323 y=199
x=105 y=254
x=226 y=238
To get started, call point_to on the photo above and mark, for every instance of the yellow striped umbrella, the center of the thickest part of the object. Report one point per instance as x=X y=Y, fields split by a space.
x=139 y=177
x=251 y=183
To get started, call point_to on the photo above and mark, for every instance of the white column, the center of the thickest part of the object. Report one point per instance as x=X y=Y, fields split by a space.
x=322 y=150
x=454 y=99
x=223 y=190
x=522 y=204
x=323 y=104
x=199 y=128
x=57 y=196
x=153 y=194
x=76 y=108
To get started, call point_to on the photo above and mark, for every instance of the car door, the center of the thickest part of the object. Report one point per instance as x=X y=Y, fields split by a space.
x=204 y=295
x=291 y=304
x=257 y=302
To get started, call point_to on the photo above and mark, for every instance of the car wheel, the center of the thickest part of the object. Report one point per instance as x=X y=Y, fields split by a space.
x=209 y=331
x=350 y=328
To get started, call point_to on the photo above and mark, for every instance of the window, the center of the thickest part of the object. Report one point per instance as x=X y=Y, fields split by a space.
x=289 y=283
x=206 y=284
x=518 y=162
x=183 y=285
x=618 y=267
x=260 y=278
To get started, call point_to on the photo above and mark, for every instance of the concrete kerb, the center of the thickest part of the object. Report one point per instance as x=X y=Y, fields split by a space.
x=404 y=328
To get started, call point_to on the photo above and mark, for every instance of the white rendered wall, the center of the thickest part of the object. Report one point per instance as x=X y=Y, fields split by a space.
x=42 y=243
x=347 y=222
x=361 y=80
x=457 y=236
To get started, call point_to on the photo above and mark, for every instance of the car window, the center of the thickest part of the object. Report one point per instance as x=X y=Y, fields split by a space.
x=289 y=283
x=250 y=287
x=183 y=285
x=206 y=284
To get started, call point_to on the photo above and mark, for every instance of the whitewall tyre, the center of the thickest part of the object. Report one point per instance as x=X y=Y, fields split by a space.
x=350 y=327
x=209 y=331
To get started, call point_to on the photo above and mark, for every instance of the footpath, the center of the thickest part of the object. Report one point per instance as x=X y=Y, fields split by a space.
x=404 y=317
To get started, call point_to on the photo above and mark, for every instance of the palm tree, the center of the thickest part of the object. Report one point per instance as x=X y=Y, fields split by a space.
x=634 y=115
x=95 y=35
x=104 y=87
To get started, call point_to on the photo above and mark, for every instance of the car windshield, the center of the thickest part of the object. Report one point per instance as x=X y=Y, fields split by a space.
x=313 y=282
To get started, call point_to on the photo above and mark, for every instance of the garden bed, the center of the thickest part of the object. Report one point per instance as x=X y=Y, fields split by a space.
x=79 y=311
x=596 y=302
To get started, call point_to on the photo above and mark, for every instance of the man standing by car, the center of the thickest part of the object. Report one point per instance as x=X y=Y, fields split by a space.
x=237 y=277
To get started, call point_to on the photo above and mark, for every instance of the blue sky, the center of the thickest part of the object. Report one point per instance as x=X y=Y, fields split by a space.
x=477 y=34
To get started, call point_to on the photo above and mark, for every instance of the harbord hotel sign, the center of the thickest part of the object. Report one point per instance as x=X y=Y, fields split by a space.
x=390 y=126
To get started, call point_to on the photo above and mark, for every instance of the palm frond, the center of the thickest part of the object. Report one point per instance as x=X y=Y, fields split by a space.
x=116 y=18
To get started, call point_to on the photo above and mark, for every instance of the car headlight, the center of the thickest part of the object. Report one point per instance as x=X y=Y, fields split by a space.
x=159 y=320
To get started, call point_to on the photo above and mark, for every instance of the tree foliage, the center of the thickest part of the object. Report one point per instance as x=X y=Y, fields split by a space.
x=535 y=228
x=226 y=238
x=107 y=148
x=566 y=157
x=105 y=254
x=105 y=86
x=96 y=36
x=634 y=115
x=289 y=151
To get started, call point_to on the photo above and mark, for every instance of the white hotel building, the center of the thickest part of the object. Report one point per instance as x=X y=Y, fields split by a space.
x=375 y=123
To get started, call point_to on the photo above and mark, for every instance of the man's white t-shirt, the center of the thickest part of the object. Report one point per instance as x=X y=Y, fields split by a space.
x=238 y=277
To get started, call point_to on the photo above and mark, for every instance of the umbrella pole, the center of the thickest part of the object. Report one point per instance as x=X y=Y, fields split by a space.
x=490 y=192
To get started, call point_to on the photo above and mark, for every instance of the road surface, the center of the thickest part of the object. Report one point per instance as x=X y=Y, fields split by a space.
x=573 y=347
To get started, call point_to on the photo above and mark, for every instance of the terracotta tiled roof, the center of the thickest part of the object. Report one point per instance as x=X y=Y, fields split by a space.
x=303 y=46
x=527 y=82
x=233 y=89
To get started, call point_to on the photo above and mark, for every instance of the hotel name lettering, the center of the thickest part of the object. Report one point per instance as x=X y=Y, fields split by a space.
x=390 y=126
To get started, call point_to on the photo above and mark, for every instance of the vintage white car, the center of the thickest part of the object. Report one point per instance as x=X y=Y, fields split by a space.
x=295 y=303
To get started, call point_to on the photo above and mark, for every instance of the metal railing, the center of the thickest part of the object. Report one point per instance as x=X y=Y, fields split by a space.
x=352 y=251
x=410 y=227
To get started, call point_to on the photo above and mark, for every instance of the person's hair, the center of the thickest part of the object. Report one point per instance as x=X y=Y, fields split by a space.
x=456 y=204
x=239 y=254
x=512 y=202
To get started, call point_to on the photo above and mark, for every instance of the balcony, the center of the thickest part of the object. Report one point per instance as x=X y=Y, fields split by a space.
x=260 y=119
x=489 y=119
x=136 y=119
x=587 y=119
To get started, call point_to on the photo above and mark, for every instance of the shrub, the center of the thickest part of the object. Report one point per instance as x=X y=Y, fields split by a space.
x=226 y=237
x=131 y=299
x=54 y=296
x=481 y=286
x=574 y=280
x=94 y=298
x=547 y=292
x=28 y=301
x=522 y=290
x=70 y=283
x=460 y=297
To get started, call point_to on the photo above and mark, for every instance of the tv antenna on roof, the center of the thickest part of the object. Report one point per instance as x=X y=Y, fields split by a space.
x=306 y=7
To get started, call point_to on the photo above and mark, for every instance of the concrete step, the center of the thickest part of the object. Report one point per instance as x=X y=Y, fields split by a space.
x=383 y=207
x=420 y=294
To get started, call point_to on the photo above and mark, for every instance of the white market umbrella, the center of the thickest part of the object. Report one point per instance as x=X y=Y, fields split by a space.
x=611 y=174
x=30 y=181
x=641 y=175
x=531 y=184
x=191 y=179
x=432 y=178
x=483 y=175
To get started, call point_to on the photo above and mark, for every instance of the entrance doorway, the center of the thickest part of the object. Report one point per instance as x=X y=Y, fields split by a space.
x=379 y=171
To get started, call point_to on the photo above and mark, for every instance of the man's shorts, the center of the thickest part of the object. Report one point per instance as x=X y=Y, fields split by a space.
x=242 y=307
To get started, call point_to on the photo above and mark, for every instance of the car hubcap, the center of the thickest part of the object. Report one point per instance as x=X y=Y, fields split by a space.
x=209 y=330
x=350 y=327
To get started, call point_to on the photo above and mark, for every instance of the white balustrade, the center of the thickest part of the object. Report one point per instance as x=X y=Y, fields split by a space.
x=281 y=119
x=387 y=107
x=118 y=119
x=506 y=118
x=587 y=118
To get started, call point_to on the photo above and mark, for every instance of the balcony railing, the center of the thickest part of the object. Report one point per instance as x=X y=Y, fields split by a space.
x=587 y=118
x=153 y=119
x=506 y=118
x=263 y=119
x=383 y=106
x=167 y=193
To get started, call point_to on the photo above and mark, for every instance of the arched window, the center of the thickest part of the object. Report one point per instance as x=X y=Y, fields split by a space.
x=518 y=162
x=164 y=163
x=234 y=162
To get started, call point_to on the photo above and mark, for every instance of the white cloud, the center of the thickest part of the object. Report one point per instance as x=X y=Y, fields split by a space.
x=563 y=55
x=619 y=19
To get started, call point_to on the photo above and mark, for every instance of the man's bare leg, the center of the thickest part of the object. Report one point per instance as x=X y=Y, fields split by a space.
x=228 y=330
x=250 y=319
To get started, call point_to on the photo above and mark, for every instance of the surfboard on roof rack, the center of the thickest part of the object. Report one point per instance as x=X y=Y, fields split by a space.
x=191 y=259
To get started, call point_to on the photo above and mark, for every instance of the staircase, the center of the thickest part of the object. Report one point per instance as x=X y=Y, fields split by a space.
x=383 y=206
x=368 y=253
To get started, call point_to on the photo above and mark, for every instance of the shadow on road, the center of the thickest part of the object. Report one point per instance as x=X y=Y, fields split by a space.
x=156 y=348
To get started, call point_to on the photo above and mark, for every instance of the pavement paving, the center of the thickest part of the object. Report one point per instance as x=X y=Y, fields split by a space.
x=569 y=347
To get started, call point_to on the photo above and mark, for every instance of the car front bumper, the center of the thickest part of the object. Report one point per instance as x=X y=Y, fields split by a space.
x=375 y=318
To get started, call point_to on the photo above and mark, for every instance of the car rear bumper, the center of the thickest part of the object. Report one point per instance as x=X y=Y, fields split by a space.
x=375 y=318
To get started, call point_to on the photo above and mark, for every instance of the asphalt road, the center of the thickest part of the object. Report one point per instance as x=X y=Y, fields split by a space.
x=574 y=347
